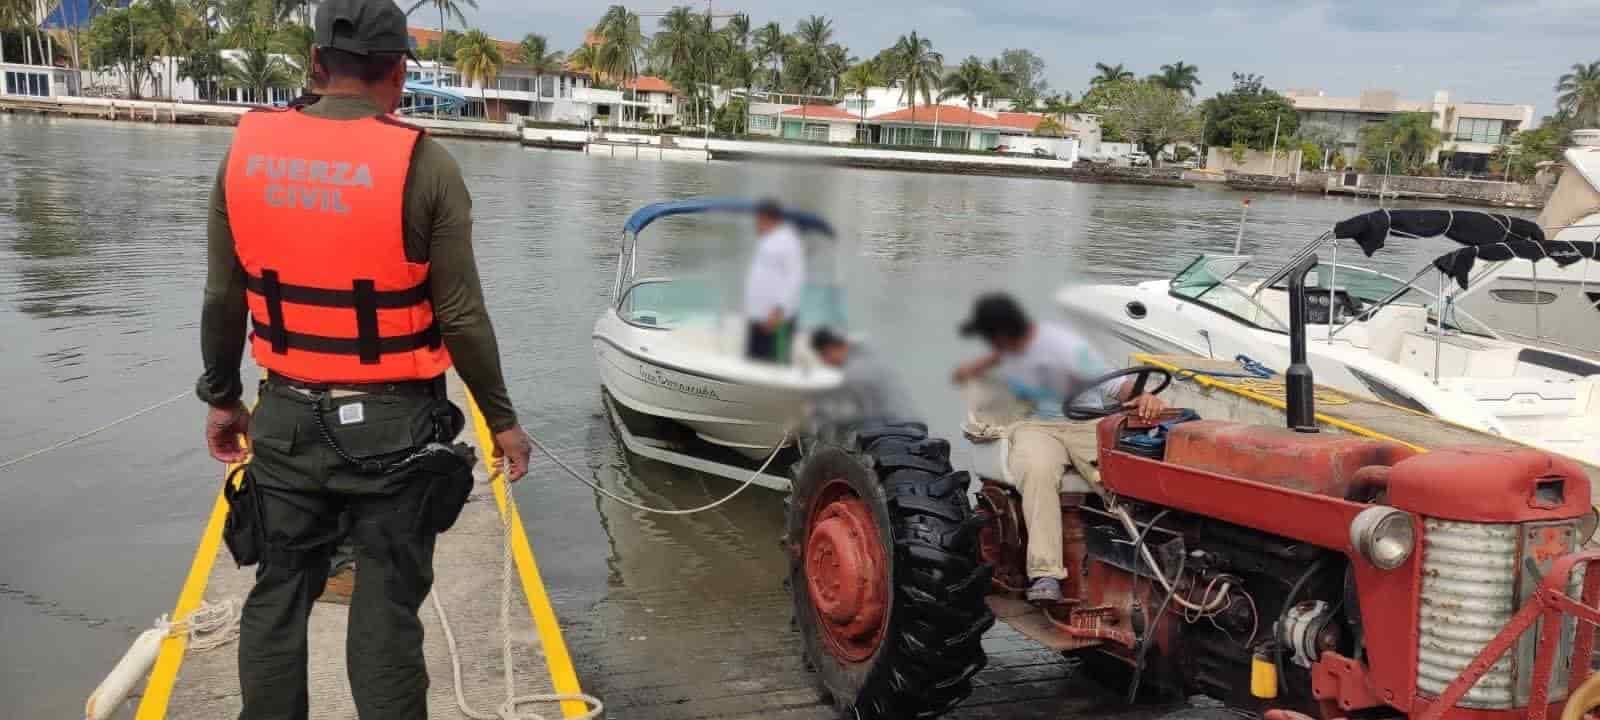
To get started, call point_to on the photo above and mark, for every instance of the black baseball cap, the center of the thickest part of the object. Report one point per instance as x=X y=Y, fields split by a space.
x=995 y=315
x=363 y=27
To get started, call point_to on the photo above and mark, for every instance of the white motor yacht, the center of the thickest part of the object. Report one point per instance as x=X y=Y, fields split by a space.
x=1373 y=334
x=669 y=352
x=1544 y=304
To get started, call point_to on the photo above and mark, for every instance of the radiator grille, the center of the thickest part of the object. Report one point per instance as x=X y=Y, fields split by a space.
x=1468 y=595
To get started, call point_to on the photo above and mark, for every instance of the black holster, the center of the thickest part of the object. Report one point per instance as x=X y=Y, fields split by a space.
x=243 y=531
x=448 y=471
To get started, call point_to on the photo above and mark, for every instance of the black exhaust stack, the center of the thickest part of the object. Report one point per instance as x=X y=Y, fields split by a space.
x=1298 y=385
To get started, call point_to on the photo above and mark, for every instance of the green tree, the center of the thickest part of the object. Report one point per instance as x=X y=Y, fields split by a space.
x=1110 y=73
x=479 y=60
x=534 y=51
x=812 y=37
x=1150 y=114
x=583 y=59
x=1406 y=141
x=1578 y=93
x=1250 y=114
x=770 y=44
x=622 y=45
x=112 y=43
x=257 y=70
x=1022 y=72
x=741 y=71
x=447 y=9
x=203 y=65
x=1059 y=106
x=917 y=66
x=968 y=81
x=295 y=40
x=738 y=31
x=167 y=34
x=858 y=80
x=1050 y=126
x=1322 y=141
x=1179 y=76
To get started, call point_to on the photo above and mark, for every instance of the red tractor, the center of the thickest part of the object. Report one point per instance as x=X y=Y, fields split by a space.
x=1278 y=570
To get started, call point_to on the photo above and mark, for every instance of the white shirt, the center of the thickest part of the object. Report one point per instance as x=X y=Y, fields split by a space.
x=1055 y=363
x=777 y=274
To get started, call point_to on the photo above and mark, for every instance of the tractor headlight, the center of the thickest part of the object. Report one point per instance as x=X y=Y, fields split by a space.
x=1384 y=536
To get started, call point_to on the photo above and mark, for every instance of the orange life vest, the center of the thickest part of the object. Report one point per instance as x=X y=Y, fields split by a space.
x=316 y=209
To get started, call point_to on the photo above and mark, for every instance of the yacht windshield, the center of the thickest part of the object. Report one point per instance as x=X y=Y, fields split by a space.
x=1213 y=281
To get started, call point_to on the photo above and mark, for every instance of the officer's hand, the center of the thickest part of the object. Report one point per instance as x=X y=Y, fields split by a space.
x=224 y=425
x=513 y=449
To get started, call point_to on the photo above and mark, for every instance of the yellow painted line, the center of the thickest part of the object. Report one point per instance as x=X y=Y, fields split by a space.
x=563 y=677
x=1209 y=381
x=158 y=689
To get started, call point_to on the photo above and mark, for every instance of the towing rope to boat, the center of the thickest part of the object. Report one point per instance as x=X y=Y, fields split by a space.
x=85 y=434
x=510 y=709
x=664 y=511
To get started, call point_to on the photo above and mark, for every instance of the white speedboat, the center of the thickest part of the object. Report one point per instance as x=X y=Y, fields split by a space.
x=1372 y=334
x=668 y=352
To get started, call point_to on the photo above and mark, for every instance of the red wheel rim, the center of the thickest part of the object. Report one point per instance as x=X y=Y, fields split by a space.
x=846 y=573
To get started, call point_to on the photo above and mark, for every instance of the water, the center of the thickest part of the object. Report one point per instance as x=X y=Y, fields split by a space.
x=102 y=241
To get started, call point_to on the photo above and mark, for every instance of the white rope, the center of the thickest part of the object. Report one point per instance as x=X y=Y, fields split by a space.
x=209 y=626
x=508 y=710
x=85 y=434
x=663 y=511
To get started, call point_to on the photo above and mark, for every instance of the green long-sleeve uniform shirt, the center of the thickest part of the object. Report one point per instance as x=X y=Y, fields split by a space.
x=438 y=229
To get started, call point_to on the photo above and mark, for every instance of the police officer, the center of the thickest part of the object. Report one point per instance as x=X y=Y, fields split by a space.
x=344 y=235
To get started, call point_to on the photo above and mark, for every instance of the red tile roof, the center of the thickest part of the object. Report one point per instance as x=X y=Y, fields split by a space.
x=821 y=112
x=949 y=115
x=650 y=83
x=1022 y=121
x=425 y=37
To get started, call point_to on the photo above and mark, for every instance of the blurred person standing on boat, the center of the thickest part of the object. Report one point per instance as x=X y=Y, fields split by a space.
x=773 y=285
x=345 y=236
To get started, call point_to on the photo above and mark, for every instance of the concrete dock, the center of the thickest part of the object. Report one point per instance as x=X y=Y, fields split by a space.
x=468 y=573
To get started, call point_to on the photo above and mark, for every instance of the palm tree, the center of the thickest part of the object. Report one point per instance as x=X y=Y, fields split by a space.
x=1179 y=76
x=11 y=14
x=582 y=59
x=860 y=78
x=1110 y=73
x=447 y=8
x=769 y=46
x=968 y=81
x=479 y=60
x=1579 y=93
x=621 y=44
x=677 y=43
x=738 y=30
x=918 y=66
x=534 y=52
x=295 y=40
x=257 y=70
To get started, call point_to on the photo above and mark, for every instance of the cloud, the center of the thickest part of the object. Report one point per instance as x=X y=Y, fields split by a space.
x=1492 y=50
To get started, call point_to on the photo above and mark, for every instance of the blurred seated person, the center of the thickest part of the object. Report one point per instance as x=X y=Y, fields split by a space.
x=1046 y=364
x=773 y=285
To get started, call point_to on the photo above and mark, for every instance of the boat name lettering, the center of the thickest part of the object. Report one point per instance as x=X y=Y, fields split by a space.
x=656 y=376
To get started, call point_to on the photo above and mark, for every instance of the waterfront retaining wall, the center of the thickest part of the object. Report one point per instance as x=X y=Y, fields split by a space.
x=1256 y=162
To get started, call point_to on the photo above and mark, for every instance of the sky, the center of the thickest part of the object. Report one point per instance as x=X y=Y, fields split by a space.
x=1479 y=50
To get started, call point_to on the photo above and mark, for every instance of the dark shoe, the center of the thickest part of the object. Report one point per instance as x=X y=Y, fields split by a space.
x=1044 y=590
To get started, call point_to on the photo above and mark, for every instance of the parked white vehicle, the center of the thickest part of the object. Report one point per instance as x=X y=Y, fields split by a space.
x=1370 y=334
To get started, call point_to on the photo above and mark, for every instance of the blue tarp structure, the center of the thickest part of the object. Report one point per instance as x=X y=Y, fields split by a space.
x=448 y=100
x=642 y=217
x=76 y=14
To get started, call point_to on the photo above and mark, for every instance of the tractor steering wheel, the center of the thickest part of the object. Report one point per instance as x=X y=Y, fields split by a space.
x=1076 y=411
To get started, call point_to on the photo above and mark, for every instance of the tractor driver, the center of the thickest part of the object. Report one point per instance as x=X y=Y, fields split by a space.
x=1046 y=363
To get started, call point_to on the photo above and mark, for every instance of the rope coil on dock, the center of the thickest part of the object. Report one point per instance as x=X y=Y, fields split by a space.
x=508 y=710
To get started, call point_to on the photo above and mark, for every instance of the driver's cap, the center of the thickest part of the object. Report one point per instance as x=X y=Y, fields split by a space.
x=995 y=315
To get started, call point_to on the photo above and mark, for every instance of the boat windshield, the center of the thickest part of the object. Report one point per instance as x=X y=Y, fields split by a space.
x=1214 y=281
x=671 y=303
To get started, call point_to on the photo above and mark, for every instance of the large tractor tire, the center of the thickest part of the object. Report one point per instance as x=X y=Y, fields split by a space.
x=884 y=573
